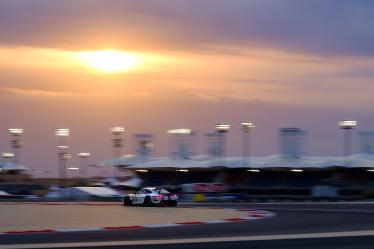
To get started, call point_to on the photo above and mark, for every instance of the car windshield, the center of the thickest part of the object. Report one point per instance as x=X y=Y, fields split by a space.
x=162 y=191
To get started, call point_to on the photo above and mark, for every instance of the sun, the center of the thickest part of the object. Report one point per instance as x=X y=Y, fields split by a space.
x=108 y=61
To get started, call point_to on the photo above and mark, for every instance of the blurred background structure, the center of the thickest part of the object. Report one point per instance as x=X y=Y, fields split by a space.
x=247 y=128
x=347 y=126
x=292 y=142
x=367 y=142
x=83 y=156
x=144 y=144
x=117 y=144
x=16 y=143
x=62 y=150
x=182 y=143
x=291 y=174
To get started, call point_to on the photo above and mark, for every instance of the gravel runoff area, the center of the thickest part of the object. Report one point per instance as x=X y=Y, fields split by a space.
x=25 y=216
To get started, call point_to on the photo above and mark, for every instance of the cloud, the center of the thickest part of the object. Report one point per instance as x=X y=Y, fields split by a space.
x=41 y=93
x=253 y=74
x=322 y=27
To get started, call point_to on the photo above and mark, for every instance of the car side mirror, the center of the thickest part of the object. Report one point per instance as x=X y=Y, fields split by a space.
x=134 y=193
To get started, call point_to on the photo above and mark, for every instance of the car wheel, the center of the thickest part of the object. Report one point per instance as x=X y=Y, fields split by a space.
x=127 y=201
x=172 y=204
x=147 y=201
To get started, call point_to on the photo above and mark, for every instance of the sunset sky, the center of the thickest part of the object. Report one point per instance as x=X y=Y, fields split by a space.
x=277 y=63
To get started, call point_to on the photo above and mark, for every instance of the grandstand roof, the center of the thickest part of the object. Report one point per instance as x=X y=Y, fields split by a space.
x=272 y=161
x=6 y=166
x=3 y=193
x=82 y=192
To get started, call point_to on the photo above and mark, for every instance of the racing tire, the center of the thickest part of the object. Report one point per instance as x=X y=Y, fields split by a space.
x=127 y=201
x=147 y=201
x=172 y=204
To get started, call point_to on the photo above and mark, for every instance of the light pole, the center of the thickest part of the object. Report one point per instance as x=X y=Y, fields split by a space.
x=247 y=128
x=144 y=144
x=83 y=164
x=181 y=140
x=117 y=144
x=16 y=143
x=7 y=156
x=72 y=169
x=62 y=153
x=222 y=129
x=347 y=126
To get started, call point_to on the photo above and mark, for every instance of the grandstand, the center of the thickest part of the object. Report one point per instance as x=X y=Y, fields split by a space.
x=287 y=175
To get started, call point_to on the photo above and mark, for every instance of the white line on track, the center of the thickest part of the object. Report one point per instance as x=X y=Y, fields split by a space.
x=323 y=210
x=216 y=221
x=286 y=203
x=196 y=240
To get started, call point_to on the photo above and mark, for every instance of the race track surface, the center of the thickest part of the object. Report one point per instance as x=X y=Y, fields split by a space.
x=305 y=225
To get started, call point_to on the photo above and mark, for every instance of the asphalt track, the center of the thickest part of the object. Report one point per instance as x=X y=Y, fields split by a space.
x=304 y=225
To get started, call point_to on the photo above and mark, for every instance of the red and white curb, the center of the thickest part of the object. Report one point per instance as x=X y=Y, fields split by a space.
x=253 y=214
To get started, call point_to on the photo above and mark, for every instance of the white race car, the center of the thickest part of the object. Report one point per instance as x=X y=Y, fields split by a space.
x=151 y=196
